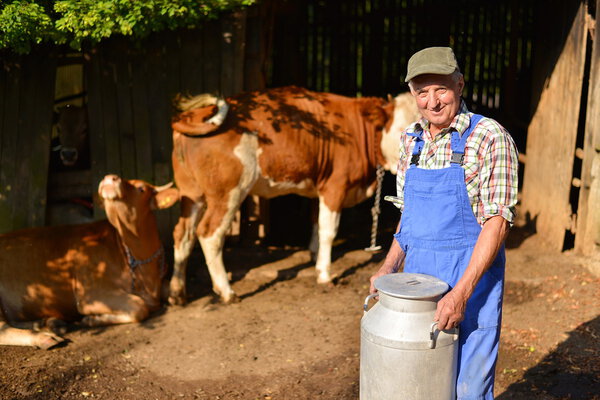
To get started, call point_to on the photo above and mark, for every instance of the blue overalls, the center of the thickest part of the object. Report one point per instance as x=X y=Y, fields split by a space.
x=438 y=232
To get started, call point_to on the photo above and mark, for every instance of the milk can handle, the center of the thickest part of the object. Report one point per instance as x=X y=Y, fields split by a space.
x=432 y=335
x=369 y=297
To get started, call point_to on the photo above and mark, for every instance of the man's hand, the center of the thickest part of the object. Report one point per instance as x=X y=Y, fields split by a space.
x=450 y=310
x=393 y=261
x=383 y=270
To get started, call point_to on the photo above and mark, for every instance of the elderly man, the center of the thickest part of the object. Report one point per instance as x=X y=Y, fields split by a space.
x=457 y=190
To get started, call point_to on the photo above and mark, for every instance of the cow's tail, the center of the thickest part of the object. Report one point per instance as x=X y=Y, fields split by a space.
x=193 y=111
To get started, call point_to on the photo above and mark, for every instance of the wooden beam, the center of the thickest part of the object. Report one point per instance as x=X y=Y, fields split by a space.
x=587 y=240
x=552 y=134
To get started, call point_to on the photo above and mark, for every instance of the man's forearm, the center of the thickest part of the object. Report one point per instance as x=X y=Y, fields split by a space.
x=451 y=308
x=492 y=236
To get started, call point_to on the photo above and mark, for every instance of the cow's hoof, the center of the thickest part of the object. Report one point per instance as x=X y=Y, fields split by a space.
x=231 y=298
x=177 y=300
x=48 y=340
x=324 y=279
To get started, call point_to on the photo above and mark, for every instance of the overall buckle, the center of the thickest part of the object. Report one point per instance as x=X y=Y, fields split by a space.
x=457 y=158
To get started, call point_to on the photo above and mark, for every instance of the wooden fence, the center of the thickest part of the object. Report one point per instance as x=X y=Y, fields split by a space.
x=26 y=98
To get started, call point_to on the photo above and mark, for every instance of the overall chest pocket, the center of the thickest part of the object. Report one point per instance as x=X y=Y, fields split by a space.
x=433 y=212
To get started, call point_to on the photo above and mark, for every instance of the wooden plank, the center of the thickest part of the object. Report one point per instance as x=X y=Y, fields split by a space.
x=164 y=141
x=587 y=237
x=255 y=56
x=552 y=132
x=158 y=100
x=232 y=43
x=211 y=33
x=44 y=76
x=24 y=129
x=140 y=80
x=110 y=110
x=8 y=157
x=192 y=79
x=96 y=128
x=120 y=60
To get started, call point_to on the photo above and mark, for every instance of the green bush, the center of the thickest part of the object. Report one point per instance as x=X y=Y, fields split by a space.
x=24 y=23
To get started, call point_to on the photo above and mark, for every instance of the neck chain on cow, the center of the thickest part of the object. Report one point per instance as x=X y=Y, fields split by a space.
x=134 y=262
x=376 y=210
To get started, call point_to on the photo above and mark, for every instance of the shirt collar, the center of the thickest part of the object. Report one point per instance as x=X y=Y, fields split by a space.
x=460 y=123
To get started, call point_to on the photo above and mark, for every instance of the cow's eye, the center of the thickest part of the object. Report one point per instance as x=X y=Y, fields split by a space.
x=141 y=189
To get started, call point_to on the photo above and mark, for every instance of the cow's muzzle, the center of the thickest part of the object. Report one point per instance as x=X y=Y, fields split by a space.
x=110 y=187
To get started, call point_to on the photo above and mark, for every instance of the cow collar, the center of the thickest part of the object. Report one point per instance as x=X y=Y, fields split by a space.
x=134 y=262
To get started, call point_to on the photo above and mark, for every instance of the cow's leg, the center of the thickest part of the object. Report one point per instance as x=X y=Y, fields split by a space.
x=113 y=309
x=313 y=246
x=329 y=221
x=212 y=229
x=26 y=337
x=184 y=240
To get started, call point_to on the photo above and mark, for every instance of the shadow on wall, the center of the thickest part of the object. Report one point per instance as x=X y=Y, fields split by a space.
x=521 y=231
x=572 y=371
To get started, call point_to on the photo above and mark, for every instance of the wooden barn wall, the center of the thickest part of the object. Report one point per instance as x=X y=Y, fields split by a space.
x=559 y=65
x=131 y=88
x=26 y=98
x=587 y=239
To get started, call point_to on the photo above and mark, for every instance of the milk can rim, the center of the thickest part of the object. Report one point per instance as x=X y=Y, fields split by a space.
x=402 y=285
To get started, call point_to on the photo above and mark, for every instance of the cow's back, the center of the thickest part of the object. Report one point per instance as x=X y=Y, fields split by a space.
x=39 y=268
x=295 y=138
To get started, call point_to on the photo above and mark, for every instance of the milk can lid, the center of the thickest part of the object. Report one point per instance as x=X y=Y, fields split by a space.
x=411 y=285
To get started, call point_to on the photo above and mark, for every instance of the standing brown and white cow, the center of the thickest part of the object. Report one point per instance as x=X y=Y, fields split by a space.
x=271 y=143
x=102 y=273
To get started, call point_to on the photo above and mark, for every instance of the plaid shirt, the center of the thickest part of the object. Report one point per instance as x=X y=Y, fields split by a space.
x=490 y=163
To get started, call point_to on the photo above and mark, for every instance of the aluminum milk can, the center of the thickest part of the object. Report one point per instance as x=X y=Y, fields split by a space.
x=402 y=354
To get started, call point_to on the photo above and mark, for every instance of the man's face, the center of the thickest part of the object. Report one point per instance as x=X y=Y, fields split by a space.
x=438 y=98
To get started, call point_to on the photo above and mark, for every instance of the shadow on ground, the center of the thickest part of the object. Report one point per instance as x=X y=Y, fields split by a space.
x=572 y=371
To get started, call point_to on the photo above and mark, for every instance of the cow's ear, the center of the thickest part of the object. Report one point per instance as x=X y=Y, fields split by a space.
x=165 y=198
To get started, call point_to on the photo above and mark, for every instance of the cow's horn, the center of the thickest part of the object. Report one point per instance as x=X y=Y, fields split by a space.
x=163 y=187
x=390 y=98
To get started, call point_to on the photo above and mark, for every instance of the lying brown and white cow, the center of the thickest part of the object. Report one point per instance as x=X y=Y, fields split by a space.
x=271 y=143
x=102 y=273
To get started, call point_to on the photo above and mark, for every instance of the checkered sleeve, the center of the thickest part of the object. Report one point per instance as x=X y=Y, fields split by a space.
x=498 y=184
x=403 y=164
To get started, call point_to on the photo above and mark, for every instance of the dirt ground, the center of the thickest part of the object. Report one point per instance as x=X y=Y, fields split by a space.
x=289 y=338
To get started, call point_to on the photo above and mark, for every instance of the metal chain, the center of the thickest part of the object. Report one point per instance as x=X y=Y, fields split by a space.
x=376 y=210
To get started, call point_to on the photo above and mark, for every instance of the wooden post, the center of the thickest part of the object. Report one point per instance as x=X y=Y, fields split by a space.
x=552 y=133
x=587 y=239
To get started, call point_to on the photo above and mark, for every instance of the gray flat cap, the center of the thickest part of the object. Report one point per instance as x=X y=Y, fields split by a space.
x=432 y=60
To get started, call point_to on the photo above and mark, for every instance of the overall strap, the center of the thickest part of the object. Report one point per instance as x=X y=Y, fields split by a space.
x=459 y=142
x=416 y=154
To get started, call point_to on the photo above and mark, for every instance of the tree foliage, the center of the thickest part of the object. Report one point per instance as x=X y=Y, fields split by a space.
x=24 y=23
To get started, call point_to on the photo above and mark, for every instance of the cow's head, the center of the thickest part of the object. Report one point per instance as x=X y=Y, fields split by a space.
x=129 y=203
x=403 y=113
x=72 y=127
